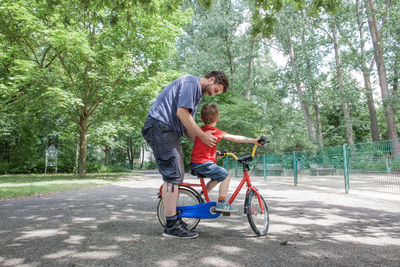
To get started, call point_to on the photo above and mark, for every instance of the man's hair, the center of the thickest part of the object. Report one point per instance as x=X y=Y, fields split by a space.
x=209 y=113
x=220 y=78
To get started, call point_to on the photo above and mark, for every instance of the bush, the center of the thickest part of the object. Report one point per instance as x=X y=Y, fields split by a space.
x=96 y=167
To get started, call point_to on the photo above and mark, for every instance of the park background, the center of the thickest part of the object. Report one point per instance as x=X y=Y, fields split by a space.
x=310 y=75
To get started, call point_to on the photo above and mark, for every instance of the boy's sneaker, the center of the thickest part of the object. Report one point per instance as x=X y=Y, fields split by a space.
x=225 y=207
x=179 y=231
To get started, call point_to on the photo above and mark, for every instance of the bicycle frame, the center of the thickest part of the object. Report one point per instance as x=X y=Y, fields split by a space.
x=245 y=180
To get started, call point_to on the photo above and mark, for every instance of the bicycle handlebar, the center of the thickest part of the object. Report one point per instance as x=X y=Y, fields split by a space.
x=261 y=141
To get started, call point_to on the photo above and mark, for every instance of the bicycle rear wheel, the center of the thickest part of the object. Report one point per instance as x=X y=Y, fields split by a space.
x=258 y=219
x=186 y=197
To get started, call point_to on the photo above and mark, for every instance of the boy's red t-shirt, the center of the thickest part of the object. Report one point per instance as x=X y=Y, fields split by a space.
x=202 y=153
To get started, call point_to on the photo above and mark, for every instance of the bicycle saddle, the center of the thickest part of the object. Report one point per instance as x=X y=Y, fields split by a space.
x=197 y=174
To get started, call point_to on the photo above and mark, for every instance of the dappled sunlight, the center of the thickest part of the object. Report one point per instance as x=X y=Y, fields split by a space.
x=11 y=262
x=132 y=238
x=37 y=218
x=44 y=233
x=84 y=219
x=375 y=239
x=96 y=255
x=60 y=254
x=75 y=239
x=91 y=255
x=14 y=245
x=314 y=254
x=229 y=249
x=118 y=226
x=167 y=263
x=327 y=220
x=218 y=262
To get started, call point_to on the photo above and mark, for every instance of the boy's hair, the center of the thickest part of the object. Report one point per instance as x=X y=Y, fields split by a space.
x=220 y=78
x=209 y=113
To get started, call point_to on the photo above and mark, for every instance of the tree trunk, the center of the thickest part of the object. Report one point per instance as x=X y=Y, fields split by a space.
x=319 y=124
x=378 y=55
x=130 y=153
x=345 y=106
x=142 y=162
x=250 y=70
x=82 y=145
x=76 y=155
x=373 y=120
x=396 y=76
x=310 y=125
x=314 y=98
x=107 y=153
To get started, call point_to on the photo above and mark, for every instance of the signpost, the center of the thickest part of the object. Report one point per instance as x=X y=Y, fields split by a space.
x=51 y=158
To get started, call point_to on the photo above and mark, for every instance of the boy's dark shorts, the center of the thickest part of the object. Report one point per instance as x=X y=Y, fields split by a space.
x=210 y=170
x=167 y=150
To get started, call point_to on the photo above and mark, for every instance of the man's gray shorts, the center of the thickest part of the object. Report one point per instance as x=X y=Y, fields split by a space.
x=167 y=150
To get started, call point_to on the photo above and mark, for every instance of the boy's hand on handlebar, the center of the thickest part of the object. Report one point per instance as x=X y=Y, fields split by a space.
x=262 y=141
x=221 y=154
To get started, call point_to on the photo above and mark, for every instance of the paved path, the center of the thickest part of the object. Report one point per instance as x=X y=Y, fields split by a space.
x=116 y=225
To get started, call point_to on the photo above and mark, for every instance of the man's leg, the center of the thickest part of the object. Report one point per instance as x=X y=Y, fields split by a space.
x=168 y=154
x=170 y=198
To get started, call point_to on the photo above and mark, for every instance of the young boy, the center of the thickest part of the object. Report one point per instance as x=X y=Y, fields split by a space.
x=204 y=161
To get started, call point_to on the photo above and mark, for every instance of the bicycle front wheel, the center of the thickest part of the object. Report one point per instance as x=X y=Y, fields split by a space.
x=186 y=198
x=258 y=218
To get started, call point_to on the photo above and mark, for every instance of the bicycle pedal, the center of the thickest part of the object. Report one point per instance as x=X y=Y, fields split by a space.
x=226 y=213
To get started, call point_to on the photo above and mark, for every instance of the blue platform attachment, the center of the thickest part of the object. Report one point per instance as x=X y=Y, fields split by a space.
x=201 y=211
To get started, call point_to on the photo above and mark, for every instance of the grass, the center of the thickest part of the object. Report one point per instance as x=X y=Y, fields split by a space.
x=21 y=185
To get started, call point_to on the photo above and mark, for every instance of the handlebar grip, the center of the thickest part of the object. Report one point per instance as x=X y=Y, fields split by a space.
x=263 y=140
x=221 y=154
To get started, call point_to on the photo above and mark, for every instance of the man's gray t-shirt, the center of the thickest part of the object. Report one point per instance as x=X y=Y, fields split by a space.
x=183 y=92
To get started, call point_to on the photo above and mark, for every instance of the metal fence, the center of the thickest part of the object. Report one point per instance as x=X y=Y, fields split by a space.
x=366 y=167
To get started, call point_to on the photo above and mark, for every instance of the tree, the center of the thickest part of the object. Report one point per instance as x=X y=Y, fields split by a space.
x=367 y=77
x=89 y=54
x=380 y=65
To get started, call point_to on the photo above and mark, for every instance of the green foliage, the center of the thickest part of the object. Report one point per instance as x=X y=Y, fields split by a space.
x=264 y=18
x=79 y=62
x=98 y=167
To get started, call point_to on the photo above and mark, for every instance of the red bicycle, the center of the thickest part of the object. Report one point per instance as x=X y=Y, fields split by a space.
x=192 y=207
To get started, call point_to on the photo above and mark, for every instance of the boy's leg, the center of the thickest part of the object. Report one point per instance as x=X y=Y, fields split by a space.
x=224 y=186
x=211 y=184
x=223 y=205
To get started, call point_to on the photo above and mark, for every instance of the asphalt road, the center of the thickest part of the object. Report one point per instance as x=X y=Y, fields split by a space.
x=116 y=225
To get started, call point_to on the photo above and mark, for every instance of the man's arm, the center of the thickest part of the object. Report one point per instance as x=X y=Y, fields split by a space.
x=190 y=135
x=193 y=130
x=240 y=139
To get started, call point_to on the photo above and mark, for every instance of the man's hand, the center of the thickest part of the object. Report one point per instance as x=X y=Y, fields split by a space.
x=209 y=139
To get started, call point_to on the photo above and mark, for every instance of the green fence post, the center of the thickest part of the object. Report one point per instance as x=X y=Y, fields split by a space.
x=346 y=170
x=264 y=167
x=236 y=169
x=295 y=168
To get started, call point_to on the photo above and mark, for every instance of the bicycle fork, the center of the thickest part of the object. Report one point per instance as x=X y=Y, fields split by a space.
x=247 y=205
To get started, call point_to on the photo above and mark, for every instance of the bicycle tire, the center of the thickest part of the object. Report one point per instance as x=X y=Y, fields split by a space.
x=258 y=221
x=186 y=197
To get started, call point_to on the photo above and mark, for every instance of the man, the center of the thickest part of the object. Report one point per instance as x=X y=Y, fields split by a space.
x=169 y=118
